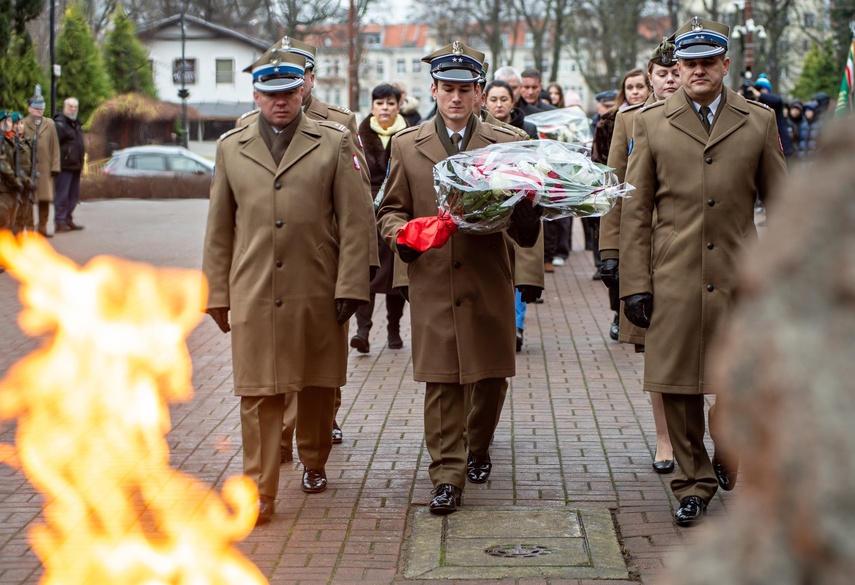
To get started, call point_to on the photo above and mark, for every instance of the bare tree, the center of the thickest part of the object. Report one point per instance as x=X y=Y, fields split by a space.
x=537 y=15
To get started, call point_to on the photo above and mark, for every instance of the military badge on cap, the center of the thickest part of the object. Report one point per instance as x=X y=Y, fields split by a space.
x=664 y=53
x=278 y=71
x=37 y=101
x=455 y=62
x=288 y=45
x=701 y=38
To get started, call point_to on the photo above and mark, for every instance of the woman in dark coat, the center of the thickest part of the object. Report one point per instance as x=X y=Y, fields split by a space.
x=376 y=132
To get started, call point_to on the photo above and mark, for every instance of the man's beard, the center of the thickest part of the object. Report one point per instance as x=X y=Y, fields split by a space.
x=71 y=116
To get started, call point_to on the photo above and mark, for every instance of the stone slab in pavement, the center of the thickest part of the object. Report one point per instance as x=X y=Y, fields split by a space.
x=576 y=431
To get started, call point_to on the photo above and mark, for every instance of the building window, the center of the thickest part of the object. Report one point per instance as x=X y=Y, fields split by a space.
x=417 y=65
x=402 y=67
x=381 y=68
x=225 y=70
x=187 y=70
x=335 y=69
x=337 y=97
x=810 y=20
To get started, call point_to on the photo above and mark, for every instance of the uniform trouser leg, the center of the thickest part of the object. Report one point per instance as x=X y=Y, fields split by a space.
x=394 y=311
x=314 y=425
x=562 y=244
x=614 y=300
x=289 y=420
x=487 y=398
x=684 y=415
x=336 y=406
x=550 y=240
x=445 y=419
x=44 y=212
x=261 y=430
x=729 y=458
x=363 y=317
x=24 y=216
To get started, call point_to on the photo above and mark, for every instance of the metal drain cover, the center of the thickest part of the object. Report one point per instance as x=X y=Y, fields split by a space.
x=518 y=551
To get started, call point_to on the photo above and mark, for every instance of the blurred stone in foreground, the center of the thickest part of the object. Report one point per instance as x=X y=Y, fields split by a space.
x=788 y=364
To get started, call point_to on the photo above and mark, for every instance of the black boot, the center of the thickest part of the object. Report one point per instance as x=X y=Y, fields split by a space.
x=393 y=337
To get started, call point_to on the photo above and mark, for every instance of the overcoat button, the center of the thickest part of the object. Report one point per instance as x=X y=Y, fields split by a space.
x=278 y=302
x=279 y=223
x=710 y=287
x=457 y=303
x=711 y=202
x=457 y=265
x=710 y=245
x=279 y=264
x=709 y=160
x=277 y=185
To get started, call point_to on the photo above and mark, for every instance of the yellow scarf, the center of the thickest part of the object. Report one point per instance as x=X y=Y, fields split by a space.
x=386 y=135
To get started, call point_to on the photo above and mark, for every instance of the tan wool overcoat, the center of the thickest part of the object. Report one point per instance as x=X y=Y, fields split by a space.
x=281 y=245
x=461 y=295
x=47 y=157
x=702 y=189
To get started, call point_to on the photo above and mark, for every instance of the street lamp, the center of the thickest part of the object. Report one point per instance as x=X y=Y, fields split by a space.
x=183 y=93
x=747 y=32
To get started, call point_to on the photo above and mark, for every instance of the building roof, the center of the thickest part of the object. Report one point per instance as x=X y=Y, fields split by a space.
x=153 y=28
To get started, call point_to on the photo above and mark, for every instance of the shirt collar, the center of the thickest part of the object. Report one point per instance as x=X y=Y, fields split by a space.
x=713 y=106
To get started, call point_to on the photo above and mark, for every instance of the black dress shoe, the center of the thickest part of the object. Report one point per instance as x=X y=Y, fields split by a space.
x=478 y=468
x=446 y=499
x=539 y=301
x=519 y=339
x=337 y=437
x=285 y=455
x=393 y=338
x=691 y=511
x=614 y=330
x=666 y=466
x=74 y=226
x=62 y=227
x=265 y=510
x=359 y=343
x=314 y=481
x=724 y=474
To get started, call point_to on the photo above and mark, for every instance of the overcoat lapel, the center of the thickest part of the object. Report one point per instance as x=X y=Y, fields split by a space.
x=254 y=148
x=306 y=139
x=682 y=116
x=733 y=115
x=429 y=144
x=484 y=136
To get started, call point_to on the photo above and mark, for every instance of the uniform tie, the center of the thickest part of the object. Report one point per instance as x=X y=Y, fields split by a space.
x=455 y=142
x=705 y=112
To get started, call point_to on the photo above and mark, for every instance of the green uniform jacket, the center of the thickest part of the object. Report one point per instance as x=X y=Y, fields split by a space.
x=281 y=245
x=702 y=189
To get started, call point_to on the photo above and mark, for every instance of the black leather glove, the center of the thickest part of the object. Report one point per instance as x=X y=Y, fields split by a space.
x=407 y=254
x=405 y=292
x=345 y=308
x=638 y=308
x=527 y=221
x=220 y=315
x=372 y=272
x=609 y=272
x=529 y=293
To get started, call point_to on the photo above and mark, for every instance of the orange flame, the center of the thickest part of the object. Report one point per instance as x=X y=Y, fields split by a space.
x=92 y=414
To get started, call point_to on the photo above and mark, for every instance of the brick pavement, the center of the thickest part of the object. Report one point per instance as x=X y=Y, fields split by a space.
x=576 y=429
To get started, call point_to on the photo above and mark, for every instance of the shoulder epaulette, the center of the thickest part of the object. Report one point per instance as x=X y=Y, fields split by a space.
x=334 y=125
x=651 y=106
x=756 y=103
x=505 y=130
x=255 y=111
x=632 y=108
x=406 y=130
x=232 y=131
x=341 y=109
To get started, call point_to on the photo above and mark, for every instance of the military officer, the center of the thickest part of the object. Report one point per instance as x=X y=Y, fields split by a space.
x=24 y=170
x=285 y=254
x=461 y=295
x=665 y=79
x=46 y=156
x=697 y=161
x=11 y=185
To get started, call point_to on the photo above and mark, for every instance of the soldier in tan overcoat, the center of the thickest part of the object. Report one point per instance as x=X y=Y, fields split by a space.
x=664 y=77
x=697 y=161
x=46 y=156
x=285 y=254
x=461 y=295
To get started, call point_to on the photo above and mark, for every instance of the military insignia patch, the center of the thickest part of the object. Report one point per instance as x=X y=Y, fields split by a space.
x=356 y=163
x=629 y=151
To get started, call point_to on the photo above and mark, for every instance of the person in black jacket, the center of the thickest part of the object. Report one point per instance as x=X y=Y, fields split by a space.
x=71 y=154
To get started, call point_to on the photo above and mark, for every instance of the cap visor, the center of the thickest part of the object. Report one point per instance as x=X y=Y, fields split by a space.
x=274 y=85
x=699 y=52
x=456 y=75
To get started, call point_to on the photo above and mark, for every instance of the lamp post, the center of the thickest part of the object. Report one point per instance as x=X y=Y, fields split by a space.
x=183 y=93
x=747 y=32
x=52 y=60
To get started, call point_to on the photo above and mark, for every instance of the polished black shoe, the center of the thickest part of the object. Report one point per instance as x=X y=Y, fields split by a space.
x=614 y=330
x=663 y=467
x=691 y=511
x=359 y=343
x=265 y=510
x=597 y=275
x=337 y=436
x=393 y=339
x=478 y=468
x=285 y=455
x=724 y=474
x=314 y=481
x=446 y=499
x=519 y=339
x=74 y=226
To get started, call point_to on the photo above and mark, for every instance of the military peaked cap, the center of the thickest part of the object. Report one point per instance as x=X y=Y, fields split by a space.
x=701 y=38
x=455 y=62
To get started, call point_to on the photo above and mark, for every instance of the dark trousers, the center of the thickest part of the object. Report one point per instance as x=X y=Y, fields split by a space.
x=394 y=312
x=684 y=415
x=551 y=234
x=66 y=196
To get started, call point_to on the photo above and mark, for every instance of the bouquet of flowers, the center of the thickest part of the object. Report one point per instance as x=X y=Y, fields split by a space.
x=563 y=125
x=477 y=189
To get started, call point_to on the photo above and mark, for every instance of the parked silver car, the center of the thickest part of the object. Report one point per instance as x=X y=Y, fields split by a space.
x=159 y=172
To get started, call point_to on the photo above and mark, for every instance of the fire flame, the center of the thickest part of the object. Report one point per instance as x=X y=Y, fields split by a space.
x=91 y=410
